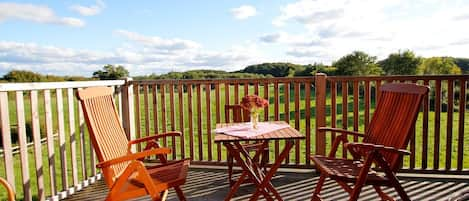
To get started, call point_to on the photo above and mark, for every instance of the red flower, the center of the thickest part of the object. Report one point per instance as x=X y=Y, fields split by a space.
x=251 y=102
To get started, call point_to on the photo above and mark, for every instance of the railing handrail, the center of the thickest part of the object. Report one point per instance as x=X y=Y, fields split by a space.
x=398 y=77
x=57 y=85
x=226 y=80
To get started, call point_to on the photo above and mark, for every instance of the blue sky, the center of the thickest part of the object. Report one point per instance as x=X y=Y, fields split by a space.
x=79 y=37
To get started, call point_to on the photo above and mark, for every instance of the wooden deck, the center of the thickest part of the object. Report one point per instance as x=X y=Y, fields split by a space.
x=211 y=184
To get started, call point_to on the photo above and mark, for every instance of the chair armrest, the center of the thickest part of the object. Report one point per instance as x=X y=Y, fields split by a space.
x=134 y=156
x=154 y=137
x=339 y=130
x=368 y=146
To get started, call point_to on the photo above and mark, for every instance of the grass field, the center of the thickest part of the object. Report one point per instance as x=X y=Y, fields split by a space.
x=204 y=130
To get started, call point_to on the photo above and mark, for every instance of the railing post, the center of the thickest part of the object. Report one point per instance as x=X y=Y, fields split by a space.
x=128 y=113
x=320 y=82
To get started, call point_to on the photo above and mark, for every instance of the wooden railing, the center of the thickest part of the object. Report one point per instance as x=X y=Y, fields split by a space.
x=64 y=164
x=49 y=113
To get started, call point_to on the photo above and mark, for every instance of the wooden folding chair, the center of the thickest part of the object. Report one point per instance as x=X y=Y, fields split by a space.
x=239 y=114
x=8 y=188
x=124 y=172
x=383 y=144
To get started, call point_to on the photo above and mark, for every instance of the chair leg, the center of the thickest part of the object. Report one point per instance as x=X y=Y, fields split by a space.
x=180 y=193
x=318 y=188
x=230 y=169
x=265 y=160
x=382 y=194
x=400 y=190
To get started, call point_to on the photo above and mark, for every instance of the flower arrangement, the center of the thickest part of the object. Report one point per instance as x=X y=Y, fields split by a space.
x=254 y=104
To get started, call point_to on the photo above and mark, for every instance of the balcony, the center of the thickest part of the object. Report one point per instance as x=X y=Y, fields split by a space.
x=50 y=156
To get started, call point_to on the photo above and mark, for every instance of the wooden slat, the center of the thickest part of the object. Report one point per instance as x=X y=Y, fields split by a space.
x=6 y=133
x=83 y=140
x=138 y=130
x=367 y=99
x=155 y=108
x=181 y=119
x=199 y=122
x=73 y=136
x=276 y=115
x=50 y=142
x=297 y=120
x=461 y=122
x=356 y=108
x=333 y=108
x=308 y=121
x=344 y=110
x=146 y=109
x=217 y=116
x=412 y=145
x=426 y=108
x=62 y=149
x=163 y=112
x=256 y=88
x=246 y=89
x=266 y=97
x=37 y=145
x=449 y=125
x=191 y=127
x=22 y=141
x=236 y=93
x=173 y=120
x=227 y=102
x=209 y=120
x=436 y=144
x=286 y=100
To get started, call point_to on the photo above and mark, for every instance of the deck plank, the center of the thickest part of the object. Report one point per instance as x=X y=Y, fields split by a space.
x=211 y=184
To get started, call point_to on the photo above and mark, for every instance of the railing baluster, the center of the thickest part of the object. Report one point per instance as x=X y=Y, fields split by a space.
x=84 y=161
x=73 y=142
x=449 y=124
x=356 y=102
x=163 y=112
x=297 y=120
x=367 y=99
x=181 y=119
x=146 y=109
x=22 y=141
x=276 y=115
x=37 y=144
x=173 y=119
x=62 y=149
x=6 y=133
x=333 y=108
x=436 y=145
x=286 y=101
x=461 y=122
x=50 y=142
x=344 y=111
x=191 y=127
x=155 y=108
x=199 y=122
x=426 y=108
x=209 y=120
x=218 y=116
x=308 y=121
x=137 y=115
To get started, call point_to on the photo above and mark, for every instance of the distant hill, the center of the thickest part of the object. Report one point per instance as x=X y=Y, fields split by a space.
x=200 y=74
x=287 y=69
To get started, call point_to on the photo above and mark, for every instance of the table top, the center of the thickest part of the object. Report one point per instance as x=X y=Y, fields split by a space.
x=281 y=134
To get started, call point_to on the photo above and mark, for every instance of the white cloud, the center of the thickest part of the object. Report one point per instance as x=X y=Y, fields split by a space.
x=89 y=10
x=35 y=13
x=335 y=28
x=141 y=54
x=243 y=12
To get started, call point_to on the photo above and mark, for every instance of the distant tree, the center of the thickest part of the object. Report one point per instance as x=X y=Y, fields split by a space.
x=274 y=69
x=23 y=76
x=462 y=63
x=438 y=66
x=111 y=72
x=357 y=63
x=401 y=63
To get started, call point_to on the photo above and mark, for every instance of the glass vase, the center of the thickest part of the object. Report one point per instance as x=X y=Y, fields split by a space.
x=254 y=119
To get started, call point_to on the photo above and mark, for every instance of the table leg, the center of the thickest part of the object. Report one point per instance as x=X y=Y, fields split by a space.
x=273 y=169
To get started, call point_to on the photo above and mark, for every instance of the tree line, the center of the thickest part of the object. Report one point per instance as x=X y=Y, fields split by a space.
x=356 y=63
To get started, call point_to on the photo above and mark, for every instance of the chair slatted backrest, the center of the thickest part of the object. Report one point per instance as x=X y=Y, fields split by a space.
x=239 y=114
x=394 y=118
x=106 y=132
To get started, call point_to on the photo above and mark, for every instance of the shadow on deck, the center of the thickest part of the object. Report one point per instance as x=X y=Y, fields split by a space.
x=211 y=184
